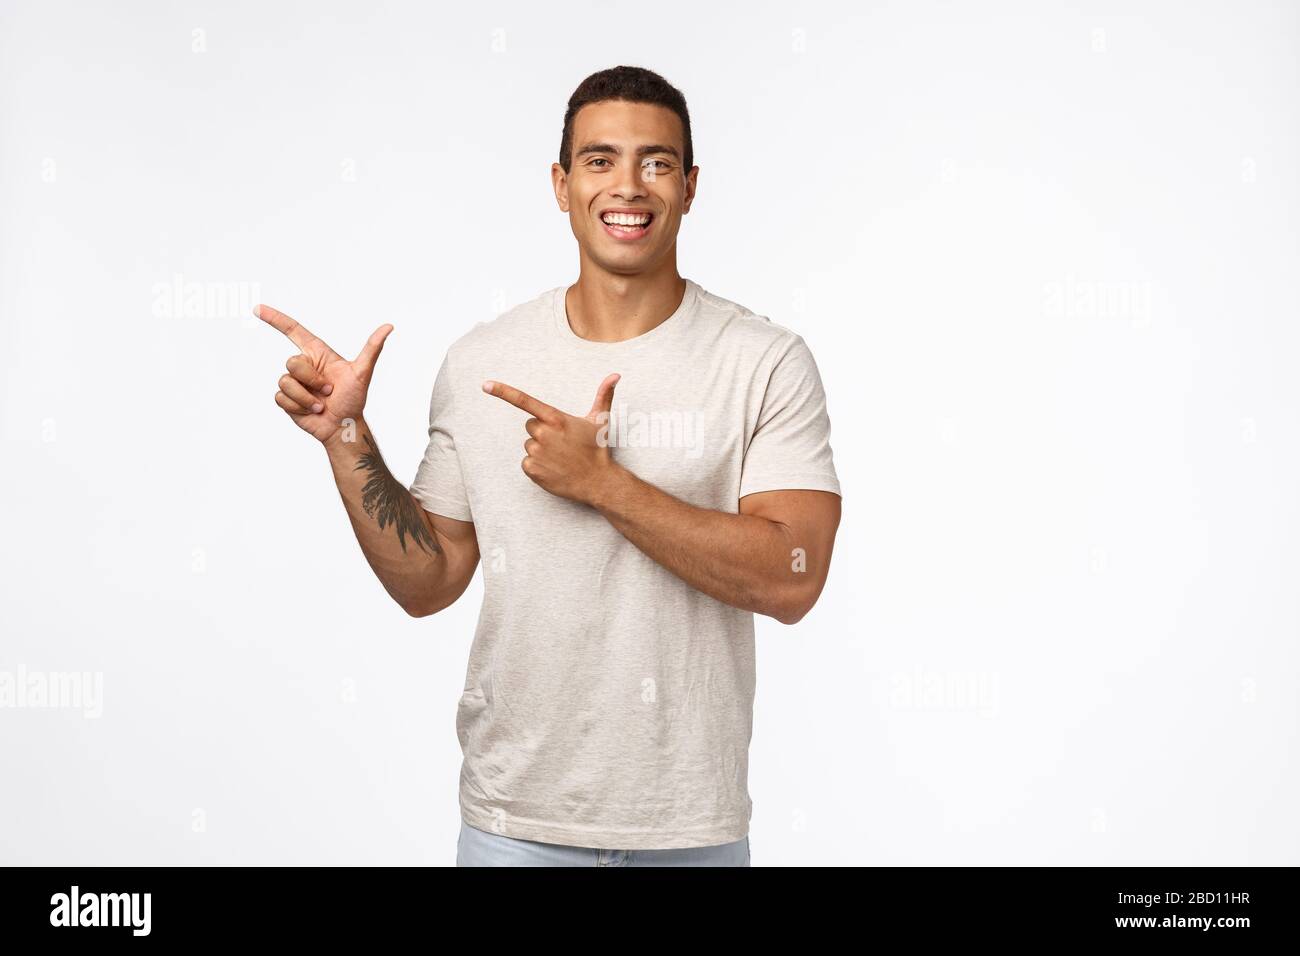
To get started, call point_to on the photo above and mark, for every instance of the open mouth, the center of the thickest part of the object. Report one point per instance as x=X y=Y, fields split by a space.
x=627 y=225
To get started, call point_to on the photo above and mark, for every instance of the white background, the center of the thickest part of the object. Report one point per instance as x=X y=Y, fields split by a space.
x=1045 y=254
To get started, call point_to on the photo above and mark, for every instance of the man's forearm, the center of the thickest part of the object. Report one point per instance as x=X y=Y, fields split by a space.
x=395 y=536
x=742 y=560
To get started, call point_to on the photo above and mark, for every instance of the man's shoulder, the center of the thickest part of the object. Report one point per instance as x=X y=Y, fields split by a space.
x=740 y=324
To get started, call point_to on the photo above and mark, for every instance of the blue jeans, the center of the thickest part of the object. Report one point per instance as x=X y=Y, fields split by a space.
x=480 y=848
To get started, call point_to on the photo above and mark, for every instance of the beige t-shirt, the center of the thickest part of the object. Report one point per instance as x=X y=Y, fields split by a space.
x=608 y=703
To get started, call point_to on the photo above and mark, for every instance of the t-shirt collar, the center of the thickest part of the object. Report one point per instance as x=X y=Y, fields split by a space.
x=680 y=317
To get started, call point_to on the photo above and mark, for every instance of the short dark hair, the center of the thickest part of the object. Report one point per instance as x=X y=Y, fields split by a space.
x=634 y=85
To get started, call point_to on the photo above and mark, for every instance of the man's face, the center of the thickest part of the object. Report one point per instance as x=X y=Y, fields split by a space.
x=626 y=191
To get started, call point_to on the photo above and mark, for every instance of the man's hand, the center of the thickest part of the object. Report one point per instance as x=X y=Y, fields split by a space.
x=566 y=455
x=322 y=387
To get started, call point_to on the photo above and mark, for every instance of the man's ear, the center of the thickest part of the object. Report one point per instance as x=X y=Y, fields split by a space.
x=691 y=179
x=560 y=181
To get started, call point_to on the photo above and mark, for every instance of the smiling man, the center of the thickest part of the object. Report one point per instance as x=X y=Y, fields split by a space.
x=650 y=466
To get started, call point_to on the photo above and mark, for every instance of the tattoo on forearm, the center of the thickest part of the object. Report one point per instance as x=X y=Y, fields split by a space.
x=387 y=501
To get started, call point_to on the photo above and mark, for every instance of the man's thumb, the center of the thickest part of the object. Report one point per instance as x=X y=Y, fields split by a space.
x=369 y=354
x=604 y=397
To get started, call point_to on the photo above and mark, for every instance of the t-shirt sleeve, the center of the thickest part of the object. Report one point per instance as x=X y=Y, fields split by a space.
x=439 y=484
x=791 y=445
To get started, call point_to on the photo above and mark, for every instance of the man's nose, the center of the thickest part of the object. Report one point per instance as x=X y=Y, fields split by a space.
x=629 y=185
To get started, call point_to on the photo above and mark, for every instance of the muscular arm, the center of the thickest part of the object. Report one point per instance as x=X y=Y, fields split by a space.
x=424 y=561
x=771 y=558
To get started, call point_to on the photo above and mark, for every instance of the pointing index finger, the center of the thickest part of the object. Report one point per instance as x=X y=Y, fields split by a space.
x=521 y=400
x=297 y=332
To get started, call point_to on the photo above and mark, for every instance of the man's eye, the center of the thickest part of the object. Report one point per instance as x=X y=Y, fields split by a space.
x=598 y=160
x=658 y=162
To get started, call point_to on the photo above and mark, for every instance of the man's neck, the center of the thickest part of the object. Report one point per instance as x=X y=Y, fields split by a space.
x=605 y=307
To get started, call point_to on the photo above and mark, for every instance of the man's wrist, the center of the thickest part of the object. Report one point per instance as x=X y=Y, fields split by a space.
x=610 y=488
x=346 y=438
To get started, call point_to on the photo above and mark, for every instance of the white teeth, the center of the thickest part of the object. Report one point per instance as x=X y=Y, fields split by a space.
x=625 y=219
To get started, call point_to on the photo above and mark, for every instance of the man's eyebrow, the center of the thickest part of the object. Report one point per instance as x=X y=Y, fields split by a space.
x=590 y=148
x=669 y=150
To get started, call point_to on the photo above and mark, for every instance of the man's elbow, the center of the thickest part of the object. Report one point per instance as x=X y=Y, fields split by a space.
x=789 y=605
x=417 y=610
x=792 y=614
x=433 y=600
x=423 y=605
